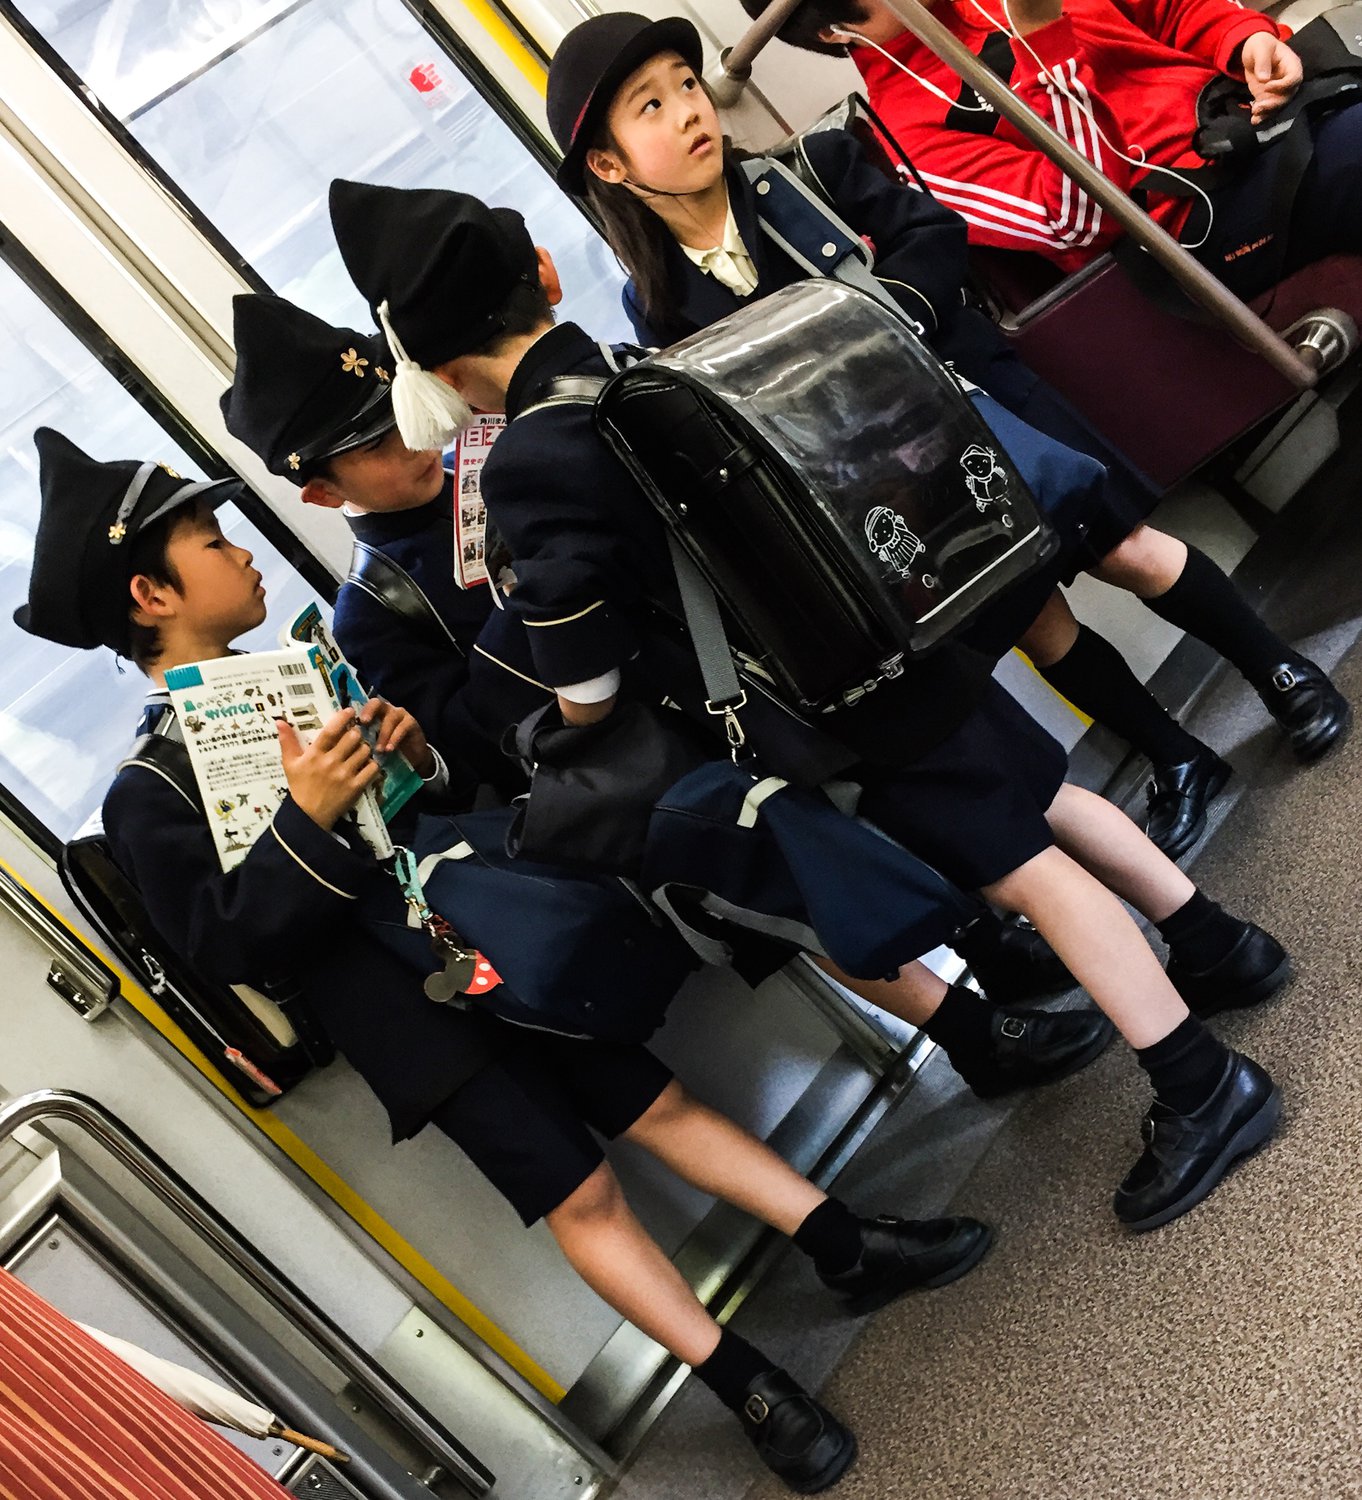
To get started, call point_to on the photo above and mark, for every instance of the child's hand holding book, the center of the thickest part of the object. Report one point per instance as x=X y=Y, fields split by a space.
x=395 y=731
x=328 y=777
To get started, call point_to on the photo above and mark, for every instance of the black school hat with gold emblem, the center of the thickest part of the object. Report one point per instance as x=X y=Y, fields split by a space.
x=437 y=269
x=304 y=391
x=82 y=555
x=591 y=62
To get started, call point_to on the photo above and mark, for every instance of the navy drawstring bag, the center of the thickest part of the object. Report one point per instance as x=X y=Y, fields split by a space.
x=580 y=955
x=786 y=862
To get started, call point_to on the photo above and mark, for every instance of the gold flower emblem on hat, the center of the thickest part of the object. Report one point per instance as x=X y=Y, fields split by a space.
x=293 y=460
x=352 y=363
x=382 y=374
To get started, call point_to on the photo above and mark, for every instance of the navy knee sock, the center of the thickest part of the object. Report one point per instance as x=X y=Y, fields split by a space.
x=1205 y=603
x=733 y=1366
x=1200 y=933
x=962 y=1024
x=1095 y=677
x=1185 y=1066
x=831 y=1234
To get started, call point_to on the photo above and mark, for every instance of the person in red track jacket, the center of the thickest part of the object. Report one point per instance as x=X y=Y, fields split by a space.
x=1119 y=80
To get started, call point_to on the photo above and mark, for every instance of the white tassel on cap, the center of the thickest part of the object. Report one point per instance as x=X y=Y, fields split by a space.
x=430 y=414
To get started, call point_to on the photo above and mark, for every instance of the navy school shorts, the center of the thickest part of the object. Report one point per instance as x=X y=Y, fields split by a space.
x=526 y=1120
x=974 y=807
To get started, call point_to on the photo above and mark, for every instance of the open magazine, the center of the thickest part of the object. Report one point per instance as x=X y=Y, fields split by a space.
x=227 y=710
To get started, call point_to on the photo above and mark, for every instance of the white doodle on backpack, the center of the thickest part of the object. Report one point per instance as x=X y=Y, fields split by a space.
x=984 y=475
x=891 y=541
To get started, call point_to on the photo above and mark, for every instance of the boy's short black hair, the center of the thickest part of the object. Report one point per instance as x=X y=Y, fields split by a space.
x=526 y=310
x=148 y=557
x=802 y=28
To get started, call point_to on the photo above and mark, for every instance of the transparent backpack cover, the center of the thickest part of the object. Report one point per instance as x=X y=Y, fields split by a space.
x=834 y=482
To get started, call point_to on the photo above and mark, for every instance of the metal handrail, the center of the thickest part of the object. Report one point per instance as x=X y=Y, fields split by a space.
x=194 y=1211
x=1188 y=272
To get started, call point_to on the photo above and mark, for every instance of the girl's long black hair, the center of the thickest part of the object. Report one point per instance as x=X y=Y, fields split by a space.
x=640 y=240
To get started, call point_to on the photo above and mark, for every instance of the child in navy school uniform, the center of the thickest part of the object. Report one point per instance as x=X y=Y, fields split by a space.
x=311 y=418
x=465 y=670
x=642 y=143
x=131 y=556
x=950 y=766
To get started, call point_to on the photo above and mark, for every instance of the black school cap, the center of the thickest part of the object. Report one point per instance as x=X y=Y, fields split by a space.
x=303 y=390
x=436 y=267
x=82 y=554
x=591 y=62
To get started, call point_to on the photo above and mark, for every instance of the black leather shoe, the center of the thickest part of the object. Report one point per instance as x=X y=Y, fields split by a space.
x=1308 y=706
x=796 y=1437
x=1185 y=1156
x=1030 y=1047
x=1012 y=962
x=1178 y=798
x=1256 y=967
x=902 y=1255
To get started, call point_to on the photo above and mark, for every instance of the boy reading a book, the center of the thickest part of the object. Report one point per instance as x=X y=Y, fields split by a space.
x=130 y=556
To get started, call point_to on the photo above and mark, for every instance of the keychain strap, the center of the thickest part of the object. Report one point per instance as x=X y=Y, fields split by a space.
x=466 y=971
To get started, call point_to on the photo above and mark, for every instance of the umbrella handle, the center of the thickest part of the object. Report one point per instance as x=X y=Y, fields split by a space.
x=313 y=1445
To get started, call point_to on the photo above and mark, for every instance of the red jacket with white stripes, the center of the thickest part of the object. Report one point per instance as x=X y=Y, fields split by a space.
x=1134 y=66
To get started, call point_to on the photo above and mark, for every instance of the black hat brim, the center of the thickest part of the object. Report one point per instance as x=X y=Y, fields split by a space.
x=209 y=492
x=674 y=34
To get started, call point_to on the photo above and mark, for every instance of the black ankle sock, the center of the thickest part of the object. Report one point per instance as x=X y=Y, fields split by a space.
x=1185 y=1067
x=962 y=1024
x=981 y=946
x=1200 y=933
x=733 y=1366
x=1205 y=603
x=831 y=1234
x=1094 y=676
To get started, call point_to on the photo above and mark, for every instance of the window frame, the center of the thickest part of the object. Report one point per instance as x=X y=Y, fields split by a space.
x=426 y=14
x=116 y=363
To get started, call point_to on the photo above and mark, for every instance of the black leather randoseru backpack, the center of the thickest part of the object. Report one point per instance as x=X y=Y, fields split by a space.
x=260 y=1044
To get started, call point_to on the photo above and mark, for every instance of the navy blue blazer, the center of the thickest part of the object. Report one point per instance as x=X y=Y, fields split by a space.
x=463 y=693
x=595 y=589
x=920 y=254
x=289 y=910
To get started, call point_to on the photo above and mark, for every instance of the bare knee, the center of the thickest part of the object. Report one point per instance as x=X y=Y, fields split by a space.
x=1148 y=562
x=593 y=1203
x=1024 y=889
x=1051 y=634
x=672 y=1107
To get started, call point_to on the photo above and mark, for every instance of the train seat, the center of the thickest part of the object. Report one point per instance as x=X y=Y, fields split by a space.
x=1170 y=391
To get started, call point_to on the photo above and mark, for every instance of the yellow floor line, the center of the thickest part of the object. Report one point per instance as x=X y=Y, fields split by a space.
x=331 y=1183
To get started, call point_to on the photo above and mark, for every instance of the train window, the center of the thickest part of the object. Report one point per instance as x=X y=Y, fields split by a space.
x=251 y=107
x=66 y=717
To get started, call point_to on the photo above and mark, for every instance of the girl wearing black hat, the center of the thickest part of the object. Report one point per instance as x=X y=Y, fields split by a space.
x=643 y=145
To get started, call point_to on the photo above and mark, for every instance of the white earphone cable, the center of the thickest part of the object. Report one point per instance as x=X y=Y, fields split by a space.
x=1056 y=81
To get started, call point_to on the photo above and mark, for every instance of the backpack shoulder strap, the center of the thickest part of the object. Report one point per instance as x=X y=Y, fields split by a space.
x=569 y=390
x=161 y=750
x=800 y=221
x=388 y=583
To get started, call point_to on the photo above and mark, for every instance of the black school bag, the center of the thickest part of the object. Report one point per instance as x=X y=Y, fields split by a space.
x=260 y=1044
x=832 y=481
